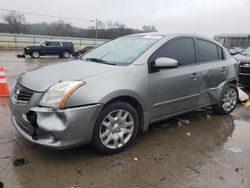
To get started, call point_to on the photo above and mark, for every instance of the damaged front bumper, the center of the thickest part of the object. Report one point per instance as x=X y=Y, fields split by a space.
x=57 y=128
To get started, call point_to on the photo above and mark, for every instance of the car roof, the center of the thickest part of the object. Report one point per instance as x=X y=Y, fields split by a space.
x=174 y=35
x=170 y=35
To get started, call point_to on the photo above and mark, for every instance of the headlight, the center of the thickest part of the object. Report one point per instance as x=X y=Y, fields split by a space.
x=27 y=48
x=57 y=95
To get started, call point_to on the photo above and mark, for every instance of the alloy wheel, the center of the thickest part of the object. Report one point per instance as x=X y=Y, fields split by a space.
x=229 y=99
x=116 y=129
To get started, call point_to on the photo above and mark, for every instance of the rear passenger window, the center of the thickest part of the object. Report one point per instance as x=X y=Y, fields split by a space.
x=207 y=51
x=53 y=44
x=182 y=50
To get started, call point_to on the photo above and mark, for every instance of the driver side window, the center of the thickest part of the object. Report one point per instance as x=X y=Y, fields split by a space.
x=182 y=50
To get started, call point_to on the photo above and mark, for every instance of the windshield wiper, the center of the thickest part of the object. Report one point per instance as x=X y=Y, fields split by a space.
x=97 y=60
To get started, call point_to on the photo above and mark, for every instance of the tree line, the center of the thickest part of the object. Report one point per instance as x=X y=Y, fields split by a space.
x=16 y=23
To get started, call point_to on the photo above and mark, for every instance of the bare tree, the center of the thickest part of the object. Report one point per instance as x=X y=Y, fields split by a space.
x=101 y=25
x=149 y=28
x=16 y=21
x=61 y=28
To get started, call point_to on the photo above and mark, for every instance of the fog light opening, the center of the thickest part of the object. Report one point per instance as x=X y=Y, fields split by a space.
x=32 y=117
x=54 y=137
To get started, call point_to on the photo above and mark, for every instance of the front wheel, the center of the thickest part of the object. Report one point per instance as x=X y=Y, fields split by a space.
x=228 y=100
x=35 y=54
x=116 y=128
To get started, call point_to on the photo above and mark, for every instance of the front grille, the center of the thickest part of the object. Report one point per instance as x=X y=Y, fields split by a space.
x=245 y=69
x=22 y=94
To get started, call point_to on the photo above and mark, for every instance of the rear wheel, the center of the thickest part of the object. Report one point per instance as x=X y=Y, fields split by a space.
x=228 y=100
x=35 y=54
x=116 y=128
x=65 y=54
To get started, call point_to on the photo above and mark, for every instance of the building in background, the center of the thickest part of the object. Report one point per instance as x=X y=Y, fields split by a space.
x=241 y=40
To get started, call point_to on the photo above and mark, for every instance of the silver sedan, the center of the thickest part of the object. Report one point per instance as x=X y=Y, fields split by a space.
x=119 y=88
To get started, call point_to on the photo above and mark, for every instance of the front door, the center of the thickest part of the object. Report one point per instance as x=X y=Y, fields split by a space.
x=177 y=89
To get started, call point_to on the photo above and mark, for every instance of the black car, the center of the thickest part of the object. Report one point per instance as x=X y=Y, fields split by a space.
x=244 y=70
x=63 y=49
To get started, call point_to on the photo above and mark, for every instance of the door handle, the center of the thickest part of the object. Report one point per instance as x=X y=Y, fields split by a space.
x=223 y=69
x=194 y=76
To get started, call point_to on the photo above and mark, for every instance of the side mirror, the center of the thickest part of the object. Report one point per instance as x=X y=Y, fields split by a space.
x=164 y=62
x=42 y=45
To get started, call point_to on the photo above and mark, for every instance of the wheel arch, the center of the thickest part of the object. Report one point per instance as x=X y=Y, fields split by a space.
x=133 y=102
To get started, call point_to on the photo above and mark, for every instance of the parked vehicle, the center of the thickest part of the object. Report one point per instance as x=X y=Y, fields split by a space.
x=235 y=50
x=83 y=50
x=63 y=49
x=244 y=70
x=120 y=87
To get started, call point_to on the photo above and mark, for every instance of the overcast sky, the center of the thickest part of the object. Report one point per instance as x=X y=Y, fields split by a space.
x=207 y=17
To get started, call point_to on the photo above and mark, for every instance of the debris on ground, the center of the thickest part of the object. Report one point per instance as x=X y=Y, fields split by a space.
x=238 y=169
x=188 y=134
x=221 y=177
x=78 y=171
x=208 y=116
x=135 y=159
x=20 y=162
x=120 y=162
x=203 y=113
x=234 y=149
x=183 y=121
x=194 y=169
x=163 y=178
x=243 y=97
x=20 y=56
x=156 y=160
x=179 y=124
x=242 y=181
x=5 y=157
x=246 y=104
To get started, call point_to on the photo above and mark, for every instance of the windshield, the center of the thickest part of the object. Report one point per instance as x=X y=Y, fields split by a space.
x=40 y=43
x=246 y=51
x=121 y=51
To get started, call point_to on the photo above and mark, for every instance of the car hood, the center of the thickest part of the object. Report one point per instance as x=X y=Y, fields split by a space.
x=242 y=58
x=40 y=79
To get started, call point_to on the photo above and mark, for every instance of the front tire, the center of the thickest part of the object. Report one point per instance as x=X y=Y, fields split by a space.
x=115 y=128
x=35 y=54
x=227 y=101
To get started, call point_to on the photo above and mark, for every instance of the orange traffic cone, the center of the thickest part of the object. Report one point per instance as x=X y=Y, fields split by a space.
x=4 y=89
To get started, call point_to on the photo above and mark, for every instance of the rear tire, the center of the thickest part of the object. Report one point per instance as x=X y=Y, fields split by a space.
x=65 y=54
x=35 y=54
x=115 y=128
x=227 y=101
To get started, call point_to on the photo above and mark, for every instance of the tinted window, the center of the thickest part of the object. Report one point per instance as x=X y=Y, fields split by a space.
x=207 y=51
x=181 y=50
x=53 y=44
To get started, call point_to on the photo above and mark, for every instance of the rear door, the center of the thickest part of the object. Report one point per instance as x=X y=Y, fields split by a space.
x=214 y=68
x=52 y=48
x=177 y=89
